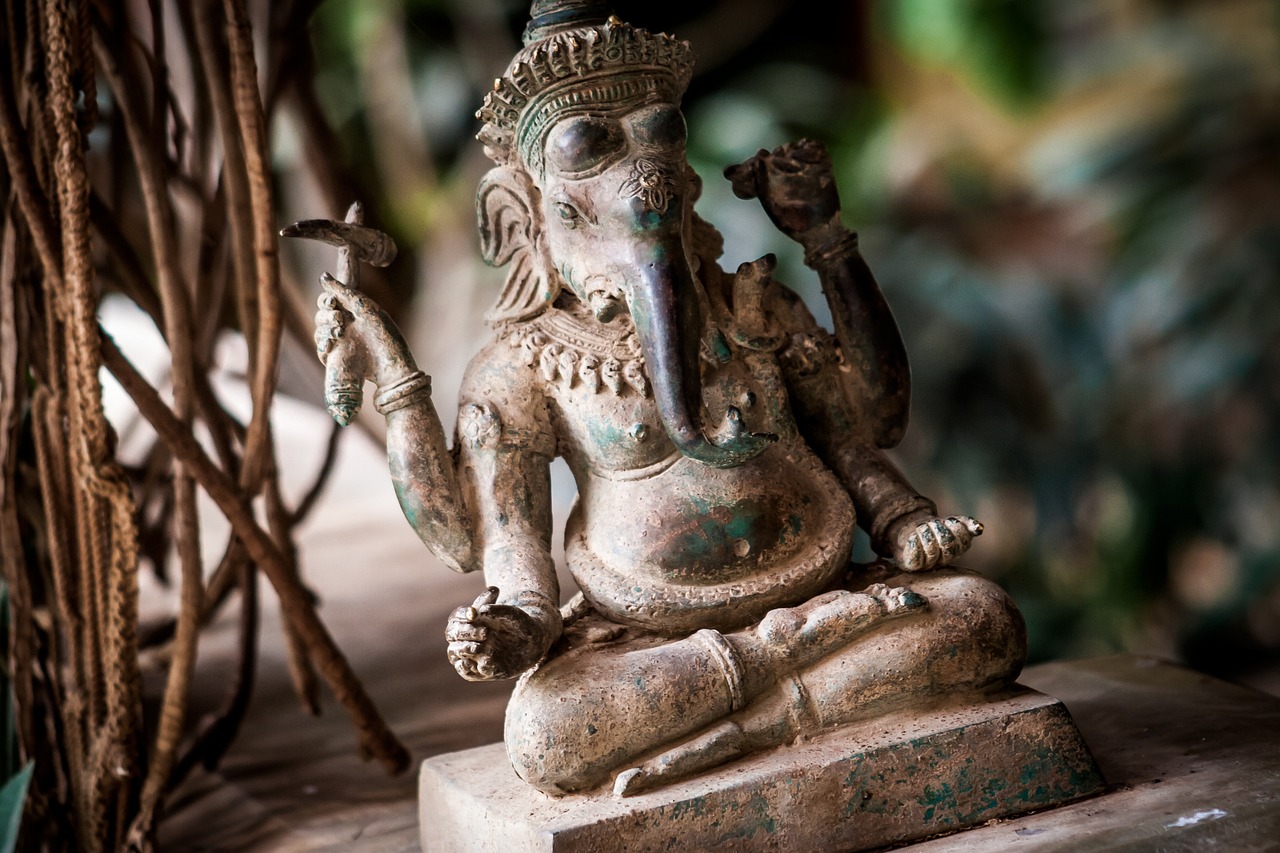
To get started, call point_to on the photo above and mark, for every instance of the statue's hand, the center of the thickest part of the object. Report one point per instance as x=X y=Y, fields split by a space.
x=489 y=641
x=795 y=185
x=923 y=541
x=356 y=340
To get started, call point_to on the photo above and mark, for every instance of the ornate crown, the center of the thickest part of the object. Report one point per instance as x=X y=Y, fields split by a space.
x=577 y=57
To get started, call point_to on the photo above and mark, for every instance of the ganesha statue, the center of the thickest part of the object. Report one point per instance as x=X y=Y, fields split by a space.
x=724 y=445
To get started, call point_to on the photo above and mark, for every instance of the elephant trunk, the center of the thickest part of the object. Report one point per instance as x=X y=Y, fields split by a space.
x=665 y=307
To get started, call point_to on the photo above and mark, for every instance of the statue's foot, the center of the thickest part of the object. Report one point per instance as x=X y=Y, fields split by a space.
x=719 y=745
x=826 y=623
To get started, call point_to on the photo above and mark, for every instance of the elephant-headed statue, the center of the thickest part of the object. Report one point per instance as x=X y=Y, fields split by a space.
x=724 y=445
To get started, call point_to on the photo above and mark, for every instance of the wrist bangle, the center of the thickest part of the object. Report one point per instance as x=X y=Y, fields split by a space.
x=402 y=392
x=832 y=243
x=894 y=512
x=540 y=605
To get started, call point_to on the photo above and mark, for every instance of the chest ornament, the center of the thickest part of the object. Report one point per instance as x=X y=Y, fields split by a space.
x=573 y=351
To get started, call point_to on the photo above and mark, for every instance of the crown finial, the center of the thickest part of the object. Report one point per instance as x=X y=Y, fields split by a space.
x=547 y=17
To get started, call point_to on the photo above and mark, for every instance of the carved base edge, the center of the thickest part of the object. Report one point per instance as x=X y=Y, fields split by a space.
x=896 y=779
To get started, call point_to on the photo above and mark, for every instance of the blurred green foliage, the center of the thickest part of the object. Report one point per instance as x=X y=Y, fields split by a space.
x=1074 y=209
x=1000 y=44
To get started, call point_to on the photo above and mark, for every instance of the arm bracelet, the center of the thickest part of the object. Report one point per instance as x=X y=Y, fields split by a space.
x=833 y=242
x=402 y=392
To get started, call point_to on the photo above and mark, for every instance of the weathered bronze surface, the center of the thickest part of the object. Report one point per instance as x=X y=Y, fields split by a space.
x=724 y=444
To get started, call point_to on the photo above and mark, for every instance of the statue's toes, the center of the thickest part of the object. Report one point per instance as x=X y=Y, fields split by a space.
x=900 y=601
x=906 y=601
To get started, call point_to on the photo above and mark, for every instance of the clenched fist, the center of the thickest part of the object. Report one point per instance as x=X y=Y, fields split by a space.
x=795 y=184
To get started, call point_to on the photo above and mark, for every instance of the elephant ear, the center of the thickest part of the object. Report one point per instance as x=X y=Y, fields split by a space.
x=511 y=233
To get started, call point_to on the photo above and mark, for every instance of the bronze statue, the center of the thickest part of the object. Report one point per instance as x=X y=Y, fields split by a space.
x=722 y=442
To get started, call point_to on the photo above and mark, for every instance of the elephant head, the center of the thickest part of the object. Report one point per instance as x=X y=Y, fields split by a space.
x=592 y=193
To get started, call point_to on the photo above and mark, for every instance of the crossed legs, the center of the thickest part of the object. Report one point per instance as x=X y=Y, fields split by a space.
x=596 y=708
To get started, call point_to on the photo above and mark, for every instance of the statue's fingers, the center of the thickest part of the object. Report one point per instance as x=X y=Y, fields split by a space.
x=912 y=555
x=962 y=532
x=347 y=297
x=975 y=527
x=324 y=338
x=459 y=631
x=745 y=176
x=461 y=662
x=331 y=316
x=333 y=289
x=812 y=152
x=467 y=669
x=929 y=545
x=326 y=301
x=465 y=650
x=785 y=165
x=334 y=317
x=330 y=325
x=489 y=596
x=485 y=666
x=801 y=155
x=951 y=544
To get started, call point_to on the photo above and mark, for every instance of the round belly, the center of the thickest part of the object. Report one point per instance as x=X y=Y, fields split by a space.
x=690 y=546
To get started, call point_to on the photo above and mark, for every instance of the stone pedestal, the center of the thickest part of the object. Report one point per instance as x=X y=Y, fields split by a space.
x=908 y=776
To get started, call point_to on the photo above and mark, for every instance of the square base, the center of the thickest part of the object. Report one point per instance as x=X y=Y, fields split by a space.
x=898 y=778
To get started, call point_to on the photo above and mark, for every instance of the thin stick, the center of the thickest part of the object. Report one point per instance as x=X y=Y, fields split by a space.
x=249 y=115
x=219 y=730
x=32 y=201
x=303 y=676
x=309 y=498
x=234 y=176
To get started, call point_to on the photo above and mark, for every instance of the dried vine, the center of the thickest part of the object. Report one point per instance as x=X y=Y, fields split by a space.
x=82 y=221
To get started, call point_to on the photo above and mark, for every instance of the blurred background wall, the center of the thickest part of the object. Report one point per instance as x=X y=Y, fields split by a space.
x=1074 y=209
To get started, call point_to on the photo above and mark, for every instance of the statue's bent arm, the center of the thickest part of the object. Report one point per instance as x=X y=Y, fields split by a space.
x=358 y=341
x=504 y=449
x=816 y=371
x=866 y=330
x=426 y=484
x=795 y=184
